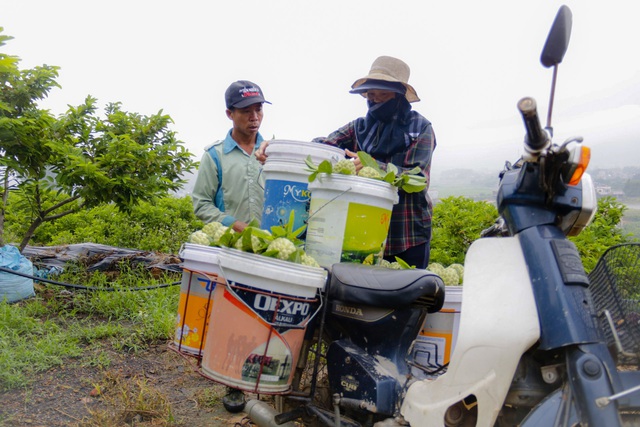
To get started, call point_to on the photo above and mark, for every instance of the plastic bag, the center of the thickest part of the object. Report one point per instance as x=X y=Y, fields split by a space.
x=13 y=287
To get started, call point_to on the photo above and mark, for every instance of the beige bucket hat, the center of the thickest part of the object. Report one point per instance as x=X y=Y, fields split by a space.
x=386 y=69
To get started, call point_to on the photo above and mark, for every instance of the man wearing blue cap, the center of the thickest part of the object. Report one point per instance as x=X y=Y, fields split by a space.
x=229 y=185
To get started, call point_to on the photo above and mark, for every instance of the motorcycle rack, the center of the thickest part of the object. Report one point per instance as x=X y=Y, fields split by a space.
x=308 y=408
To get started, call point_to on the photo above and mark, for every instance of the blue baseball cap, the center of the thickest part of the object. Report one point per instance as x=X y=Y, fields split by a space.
x=243 y=93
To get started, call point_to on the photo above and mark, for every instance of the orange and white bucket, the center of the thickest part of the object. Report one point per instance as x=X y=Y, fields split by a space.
x=258 y=321
x=437 y=339
x=200 y=274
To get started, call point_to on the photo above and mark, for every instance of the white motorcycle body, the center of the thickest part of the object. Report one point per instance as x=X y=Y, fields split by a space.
x=498 y=323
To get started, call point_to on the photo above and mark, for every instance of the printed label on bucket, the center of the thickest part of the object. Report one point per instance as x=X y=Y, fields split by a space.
x=439 y=329
x=343 y=231
x=276 y=309
x=280 y=198
x=248 y=352
x=432 y=350
x=194 y=309
x=191 y=323
x=365 y=233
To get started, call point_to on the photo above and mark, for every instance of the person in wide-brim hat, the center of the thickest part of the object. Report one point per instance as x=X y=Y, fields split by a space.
x=392 y=133
x=387 y=73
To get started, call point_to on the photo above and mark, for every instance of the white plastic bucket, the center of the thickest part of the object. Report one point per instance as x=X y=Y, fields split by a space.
x=200 y=273
x=287 y=179
x=349 y=218
x=258 y=321
x=437 y=340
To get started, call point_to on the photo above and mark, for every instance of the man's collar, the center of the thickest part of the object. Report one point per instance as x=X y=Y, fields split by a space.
x=229 y=143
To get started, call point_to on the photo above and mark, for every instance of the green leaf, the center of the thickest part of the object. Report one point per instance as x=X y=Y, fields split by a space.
x=404 y=264
x=278 y=231
x=310 y=165
x=414 y=171
x=254 y=223
x=390 y=177
x=367 y=160
x=296 y=256
x=227 y=239
x=409 y=188
x=273 y=253
x=325 y=166
x=298 y=232
x=262 y=234
x=246 y=240
x=289 y=226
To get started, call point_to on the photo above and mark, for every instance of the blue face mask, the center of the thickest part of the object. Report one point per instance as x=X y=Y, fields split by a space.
x=381 y=132
x=384 y=111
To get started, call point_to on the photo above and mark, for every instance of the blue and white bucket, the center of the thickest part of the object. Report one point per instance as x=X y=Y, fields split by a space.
x=287 y=178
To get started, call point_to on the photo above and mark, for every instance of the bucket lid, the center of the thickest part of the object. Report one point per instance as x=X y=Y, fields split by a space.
x=344 y=183
x=200 y=253
x=283 y=148
x=271 y=269
x=453 y=294
x=289 y=165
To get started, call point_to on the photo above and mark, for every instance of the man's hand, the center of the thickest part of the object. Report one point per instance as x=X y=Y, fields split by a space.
x=261 y=152
x=238 y=226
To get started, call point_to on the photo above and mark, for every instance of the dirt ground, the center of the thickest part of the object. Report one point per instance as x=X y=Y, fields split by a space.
x=134 y=390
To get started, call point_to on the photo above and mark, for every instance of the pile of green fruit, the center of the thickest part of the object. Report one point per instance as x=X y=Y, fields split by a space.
x=281 y=243
x=410 y=181
x=451 y=275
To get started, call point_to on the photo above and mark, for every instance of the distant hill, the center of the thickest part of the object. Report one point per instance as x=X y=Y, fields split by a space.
x=616 y=154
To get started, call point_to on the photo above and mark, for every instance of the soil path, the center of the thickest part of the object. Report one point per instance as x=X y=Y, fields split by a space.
x=72 y=395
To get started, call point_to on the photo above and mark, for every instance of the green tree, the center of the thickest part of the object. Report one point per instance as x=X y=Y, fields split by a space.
x=603 y=232
x=162 y=226
x=457 y=222
x=80 y=160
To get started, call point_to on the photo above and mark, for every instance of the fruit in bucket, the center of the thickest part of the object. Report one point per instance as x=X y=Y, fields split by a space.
x=345 y=167
x=409 y=181
x=281 y=242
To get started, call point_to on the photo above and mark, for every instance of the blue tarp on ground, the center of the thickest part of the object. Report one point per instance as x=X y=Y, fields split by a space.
x=13 y=287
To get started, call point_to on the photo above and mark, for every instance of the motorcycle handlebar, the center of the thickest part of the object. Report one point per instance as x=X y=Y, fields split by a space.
x=537 y=138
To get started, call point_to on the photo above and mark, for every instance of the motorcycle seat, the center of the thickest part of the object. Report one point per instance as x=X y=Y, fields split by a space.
x=384 y=287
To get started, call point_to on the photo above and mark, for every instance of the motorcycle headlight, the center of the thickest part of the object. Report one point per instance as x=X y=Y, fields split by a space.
x=573 y=224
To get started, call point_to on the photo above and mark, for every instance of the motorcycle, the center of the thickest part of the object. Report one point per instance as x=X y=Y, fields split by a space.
x=530 y=348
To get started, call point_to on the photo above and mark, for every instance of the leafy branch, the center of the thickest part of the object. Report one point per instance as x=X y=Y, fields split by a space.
x=409 y=181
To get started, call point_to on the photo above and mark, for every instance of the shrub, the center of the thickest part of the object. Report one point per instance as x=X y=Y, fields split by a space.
x=162 y=226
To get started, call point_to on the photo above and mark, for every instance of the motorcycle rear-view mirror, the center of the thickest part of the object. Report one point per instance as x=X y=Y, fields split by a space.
x=558 y=39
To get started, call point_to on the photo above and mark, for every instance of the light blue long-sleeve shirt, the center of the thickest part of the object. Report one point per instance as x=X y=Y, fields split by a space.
x=242 y=184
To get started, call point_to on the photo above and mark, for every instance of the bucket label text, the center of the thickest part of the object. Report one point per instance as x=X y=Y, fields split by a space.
x=281 y=309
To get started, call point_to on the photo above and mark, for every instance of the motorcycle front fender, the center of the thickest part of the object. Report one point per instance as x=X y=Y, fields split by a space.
x=498 y=323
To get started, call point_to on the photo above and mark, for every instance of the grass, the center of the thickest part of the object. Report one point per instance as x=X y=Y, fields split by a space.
x=130 y=403
x=58 y=325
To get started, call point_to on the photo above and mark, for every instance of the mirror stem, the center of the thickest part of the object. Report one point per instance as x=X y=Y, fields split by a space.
x=551 y=99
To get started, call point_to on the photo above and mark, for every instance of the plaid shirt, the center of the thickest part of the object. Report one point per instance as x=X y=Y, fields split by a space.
x=411 y=217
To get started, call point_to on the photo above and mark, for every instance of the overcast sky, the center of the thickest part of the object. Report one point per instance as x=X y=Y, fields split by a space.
x=471 y=61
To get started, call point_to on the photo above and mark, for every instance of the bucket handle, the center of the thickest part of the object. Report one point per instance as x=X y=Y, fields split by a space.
x=322 y=207
x=230 y=287
x=258 y=180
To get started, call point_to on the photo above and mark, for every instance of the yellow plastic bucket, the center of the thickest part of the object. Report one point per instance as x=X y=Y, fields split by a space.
x=349 y=218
